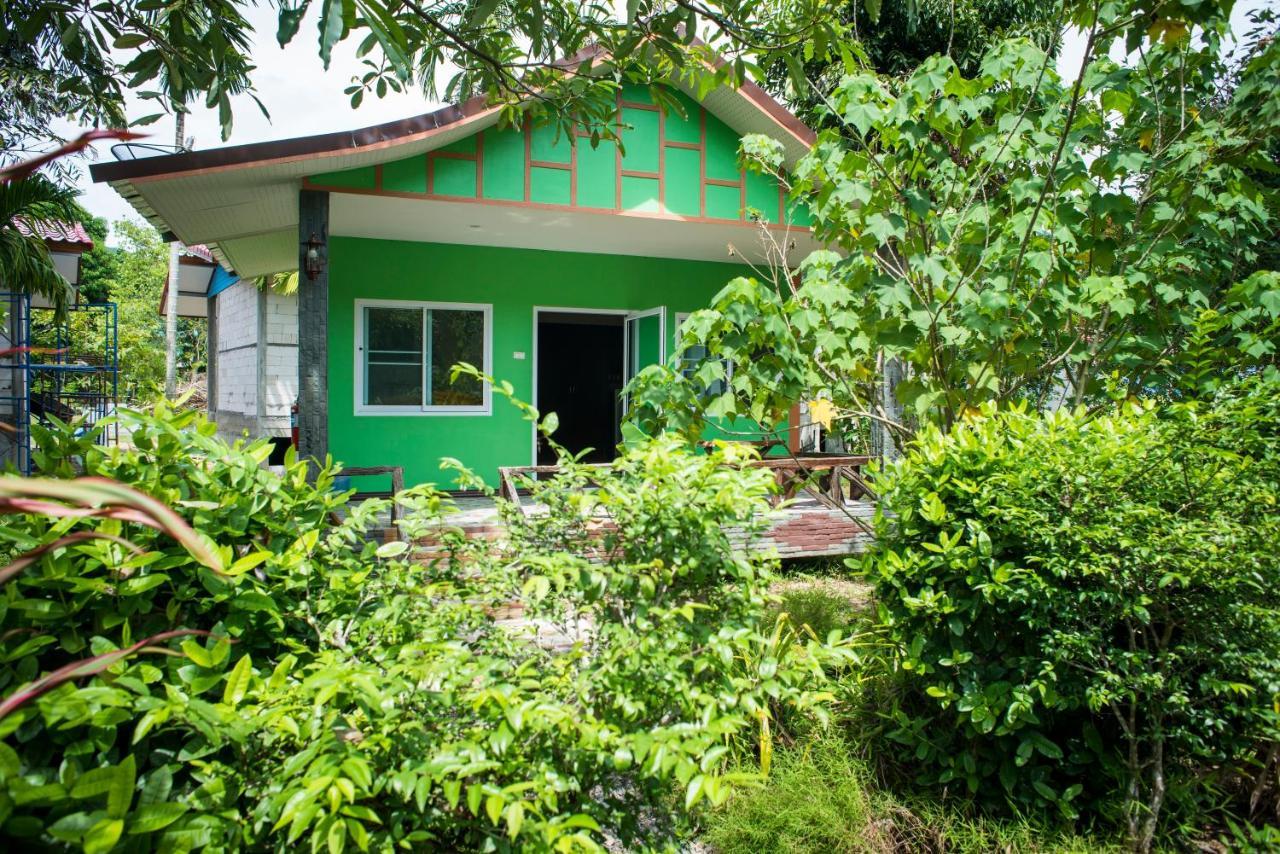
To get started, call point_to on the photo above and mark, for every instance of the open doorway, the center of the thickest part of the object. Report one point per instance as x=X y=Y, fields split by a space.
x=580 y=375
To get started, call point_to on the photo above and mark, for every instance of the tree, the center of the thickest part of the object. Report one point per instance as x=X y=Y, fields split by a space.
x=100 y=265
x=139 y=267
x=1014 y=236
x=81 y=59
x=895 y=38
x=25 y=263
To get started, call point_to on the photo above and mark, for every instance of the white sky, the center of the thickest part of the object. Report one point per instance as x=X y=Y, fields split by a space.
x=304 y=99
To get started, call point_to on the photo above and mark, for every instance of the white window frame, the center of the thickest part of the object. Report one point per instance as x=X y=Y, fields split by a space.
x=361 y=408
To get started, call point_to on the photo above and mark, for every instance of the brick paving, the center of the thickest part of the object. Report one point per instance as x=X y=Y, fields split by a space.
x=804 y=528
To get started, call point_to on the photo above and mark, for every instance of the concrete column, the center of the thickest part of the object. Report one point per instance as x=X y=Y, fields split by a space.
x=313 y=329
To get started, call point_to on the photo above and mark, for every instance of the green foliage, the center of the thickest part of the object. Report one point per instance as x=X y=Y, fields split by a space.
x=1010 y=236
x=894 y=38
x=344 y=695
x=1085 y=611
x=63 y=60
x=98 y=266
x=132 y=275
x=25 y=263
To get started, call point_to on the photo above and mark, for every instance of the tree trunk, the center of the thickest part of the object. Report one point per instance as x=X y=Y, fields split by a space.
x=884 y=443
x=171 y=304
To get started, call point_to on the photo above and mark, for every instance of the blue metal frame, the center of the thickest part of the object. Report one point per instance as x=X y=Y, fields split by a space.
x=83 y=383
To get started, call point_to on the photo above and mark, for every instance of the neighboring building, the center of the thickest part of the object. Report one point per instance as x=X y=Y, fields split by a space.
x=442 y=238
x=67 y=242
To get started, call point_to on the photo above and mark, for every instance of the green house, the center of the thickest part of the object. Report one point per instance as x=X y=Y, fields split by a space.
x=556 y=265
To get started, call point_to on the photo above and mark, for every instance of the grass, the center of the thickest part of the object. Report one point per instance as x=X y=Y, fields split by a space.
x=822 y=603
x=820 y=798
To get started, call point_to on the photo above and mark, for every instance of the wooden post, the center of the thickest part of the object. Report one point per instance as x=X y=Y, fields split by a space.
x=313 y=329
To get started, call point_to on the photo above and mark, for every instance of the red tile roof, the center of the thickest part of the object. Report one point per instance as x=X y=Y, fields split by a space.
x=200 y=251
x=55 y=231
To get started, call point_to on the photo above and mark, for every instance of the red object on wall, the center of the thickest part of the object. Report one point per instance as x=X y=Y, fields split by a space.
x=293 y=423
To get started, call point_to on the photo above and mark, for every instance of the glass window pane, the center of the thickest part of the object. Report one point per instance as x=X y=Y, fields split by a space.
x=394 y=329
x=394 y=385
x=393 y=357
x=456 y=336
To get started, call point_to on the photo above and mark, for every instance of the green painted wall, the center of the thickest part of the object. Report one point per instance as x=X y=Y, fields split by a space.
x=513 y=281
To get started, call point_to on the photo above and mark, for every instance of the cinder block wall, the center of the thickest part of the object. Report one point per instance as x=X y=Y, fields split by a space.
x=257 y=361
x=280 y=371
x=236 y=408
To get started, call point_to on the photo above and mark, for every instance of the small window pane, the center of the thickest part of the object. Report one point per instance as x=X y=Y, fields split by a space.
x=456 y=336
x=393 y=357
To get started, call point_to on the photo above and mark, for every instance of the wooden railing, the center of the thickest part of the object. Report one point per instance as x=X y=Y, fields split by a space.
x=831 y=479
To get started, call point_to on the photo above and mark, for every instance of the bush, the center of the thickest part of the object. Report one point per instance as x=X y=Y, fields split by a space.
x=340 y=695
x=1086 y=611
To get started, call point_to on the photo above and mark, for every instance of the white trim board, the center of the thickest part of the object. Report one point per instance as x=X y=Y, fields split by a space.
x=553 y=309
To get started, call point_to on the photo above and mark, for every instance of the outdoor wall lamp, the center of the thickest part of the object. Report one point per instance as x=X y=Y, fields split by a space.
x=313 y=262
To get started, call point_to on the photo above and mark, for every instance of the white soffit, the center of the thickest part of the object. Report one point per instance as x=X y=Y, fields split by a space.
x=468 y=223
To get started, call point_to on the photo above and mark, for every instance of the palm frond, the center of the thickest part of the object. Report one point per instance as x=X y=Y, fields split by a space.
x=26 y=265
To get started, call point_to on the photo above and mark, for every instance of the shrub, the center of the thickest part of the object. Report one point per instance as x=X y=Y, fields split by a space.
x=341 y=695
x=1086 y=611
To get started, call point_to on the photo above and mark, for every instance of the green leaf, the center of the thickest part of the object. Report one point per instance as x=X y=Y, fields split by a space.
x=238 y=681
x=493 y=807
x=197 y=653
x=392 y=549
x=103 y=836
x=153 y=817
x=120 y=795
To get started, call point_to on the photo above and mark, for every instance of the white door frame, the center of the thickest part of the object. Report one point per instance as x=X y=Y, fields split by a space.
x=627 y=374
x=552 y=309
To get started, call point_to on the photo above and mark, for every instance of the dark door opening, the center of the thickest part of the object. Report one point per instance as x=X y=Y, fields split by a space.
x=580 y=365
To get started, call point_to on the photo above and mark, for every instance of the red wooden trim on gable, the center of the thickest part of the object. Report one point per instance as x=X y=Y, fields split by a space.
x=662 y=161
x=573 y=171
x=617 y=158
x=702 y=160
x=528 y=158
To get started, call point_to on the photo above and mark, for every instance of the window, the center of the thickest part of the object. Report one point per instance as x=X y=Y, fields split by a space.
x=691 y=358
x=404 y=351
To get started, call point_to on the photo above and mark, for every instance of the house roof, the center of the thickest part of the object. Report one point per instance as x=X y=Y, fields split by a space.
x=242 y=201
x=69 y=236
x=197 y=277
